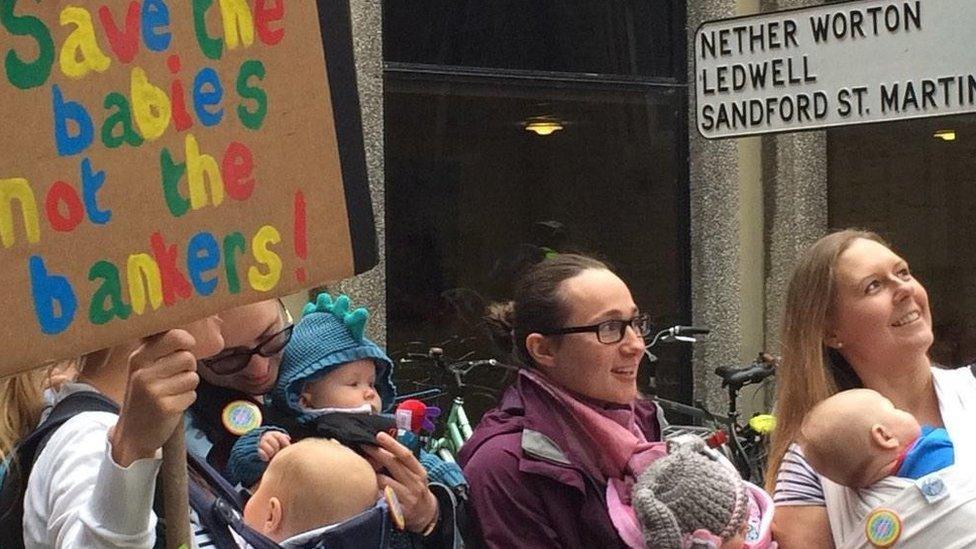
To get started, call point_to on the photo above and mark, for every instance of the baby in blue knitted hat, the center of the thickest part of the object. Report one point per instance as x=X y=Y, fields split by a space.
x=329 y=364
x=328 y=367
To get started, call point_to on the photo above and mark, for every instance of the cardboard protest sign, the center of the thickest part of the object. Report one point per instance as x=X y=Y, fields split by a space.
x=162 y=160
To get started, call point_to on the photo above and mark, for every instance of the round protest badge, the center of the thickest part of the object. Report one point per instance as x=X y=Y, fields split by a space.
x=396 y=512
x=883 y=527
x=241 y=416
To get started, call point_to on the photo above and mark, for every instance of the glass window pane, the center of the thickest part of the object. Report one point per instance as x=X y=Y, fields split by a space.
x=622 y=37
x=916 y=189
x=471 y=196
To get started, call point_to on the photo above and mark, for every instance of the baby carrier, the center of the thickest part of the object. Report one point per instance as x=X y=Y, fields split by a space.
x=759 y=521
x=937 y=510
x=219 y=507
x=18 y=465
x=215 y=501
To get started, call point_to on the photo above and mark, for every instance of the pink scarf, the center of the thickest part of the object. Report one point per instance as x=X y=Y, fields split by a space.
x=606 y=438
x=607 y=442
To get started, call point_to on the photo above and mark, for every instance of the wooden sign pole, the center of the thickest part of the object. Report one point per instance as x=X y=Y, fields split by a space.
x=173 y=475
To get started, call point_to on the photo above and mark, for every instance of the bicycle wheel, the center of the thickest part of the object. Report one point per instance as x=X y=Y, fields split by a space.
x=754 y=449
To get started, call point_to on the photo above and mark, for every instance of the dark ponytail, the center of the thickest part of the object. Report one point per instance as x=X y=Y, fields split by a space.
x=538 y=305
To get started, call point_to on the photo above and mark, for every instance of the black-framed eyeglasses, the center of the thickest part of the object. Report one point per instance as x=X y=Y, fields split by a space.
x=609 y=331
x=235 y=359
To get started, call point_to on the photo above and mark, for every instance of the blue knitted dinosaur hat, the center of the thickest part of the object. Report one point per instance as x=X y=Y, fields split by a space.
x=328 y=336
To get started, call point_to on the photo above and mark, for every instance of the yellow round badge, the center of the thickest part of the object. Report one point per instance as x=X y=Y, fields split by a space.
x=396 y=512
x=241 y=416
x=883 y=527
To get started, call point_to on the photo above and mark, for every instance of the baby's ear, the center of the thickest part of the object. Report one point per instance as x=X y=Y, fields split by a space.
x=273 y=520
x=883 y=438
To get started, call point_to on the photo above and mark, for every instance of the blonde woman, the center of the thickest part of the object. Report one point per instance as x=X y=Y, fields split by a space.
x=92 y=484
x=856 y=317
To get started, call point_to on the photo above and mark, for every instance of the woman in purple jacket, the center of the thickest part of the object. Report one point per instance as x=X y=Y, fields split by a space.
x=572 y=433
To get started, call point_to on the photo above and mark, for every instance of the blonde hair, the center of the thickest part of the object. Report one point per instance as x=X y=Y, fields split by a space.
x=319 y=482
x=810 y=371
x=21 y=403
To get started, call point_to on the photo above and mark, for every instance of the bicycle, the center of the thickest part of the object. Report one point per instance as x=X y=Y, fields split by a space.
x=456 y=428
x=744 y=444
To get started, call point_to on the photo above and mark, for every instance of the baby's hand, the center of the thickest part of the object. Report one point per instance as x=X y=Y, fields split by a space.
x=735 y=543
x=271 y=443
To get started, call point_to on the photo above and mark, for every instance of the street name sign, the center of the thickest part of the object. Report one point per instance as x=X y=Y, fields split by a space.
x=835 y=65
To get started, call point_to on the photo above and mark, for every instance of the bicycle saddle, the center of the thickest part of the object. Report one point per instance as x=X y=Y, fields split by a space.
x=737 y=377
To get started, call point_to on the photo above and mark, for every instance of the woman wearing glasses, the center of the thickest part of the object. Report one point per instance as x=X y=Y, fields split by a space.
x=541 y=463
x=236 y=379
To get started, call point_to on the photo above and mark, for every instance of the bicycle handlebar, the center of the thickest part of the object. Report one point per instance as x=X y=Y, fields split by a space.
x=466 y=365
x=458 y=369
x=681 y=333
x=410 y=357
x=688 y=330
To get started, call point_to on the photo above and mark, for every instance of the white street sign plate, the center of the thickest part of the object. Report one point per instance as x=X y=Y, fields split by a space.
x=835 y=65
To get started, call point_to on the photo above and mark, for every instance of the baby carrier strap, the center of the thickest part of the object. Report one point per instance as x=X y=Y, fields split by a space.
x=216 y=482
x=21 y=460
x=219 y=507
x=220 y=517
x=371 y=528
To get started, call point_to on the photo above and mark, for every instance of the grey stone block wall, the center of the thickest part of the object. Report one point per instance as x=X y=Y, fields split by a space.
x=795 y=180
x=714 y=180
x=795 y=184
x=793 y=210
x=369 y=289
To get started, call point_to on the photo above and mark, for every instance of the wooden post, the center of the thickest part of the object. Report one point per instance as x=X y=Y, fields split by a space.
x=175 y=495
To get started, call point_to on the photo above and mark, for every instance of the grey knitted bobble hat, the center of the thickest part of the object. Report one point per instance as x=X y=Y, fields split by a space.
x=685 y=491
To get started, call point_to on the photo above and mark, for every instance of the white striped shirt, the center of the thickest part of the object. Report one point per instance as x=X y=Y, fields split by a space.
x=796 y=482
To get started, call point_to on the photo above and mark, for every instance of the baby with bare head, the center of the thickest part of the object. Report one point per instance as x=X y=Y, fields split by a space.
x=857 y=437
x=310 y=485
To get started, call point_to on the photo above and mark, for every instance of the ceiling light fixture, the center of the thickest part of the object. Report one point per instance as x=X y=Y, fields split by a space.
x=541 y=125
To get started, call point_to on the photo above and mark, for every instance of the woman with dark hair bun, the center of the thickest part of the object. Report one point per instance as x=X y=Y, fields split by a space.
x=572 y=432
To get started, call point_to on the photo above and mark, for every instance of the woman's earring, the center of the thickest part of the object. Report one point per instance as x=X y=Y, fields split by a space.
x=840 y=345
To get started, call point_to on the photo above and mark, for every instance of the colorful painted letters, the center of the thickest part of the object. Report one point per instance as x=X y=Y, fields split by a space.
x=187 y=101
